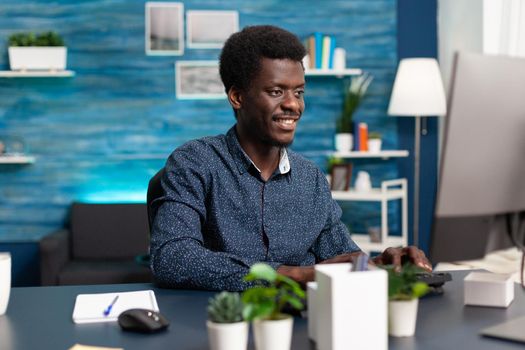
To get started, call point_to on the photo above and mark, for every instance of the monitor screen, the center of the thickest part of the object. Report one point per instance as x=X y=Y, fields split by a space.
x=482 y=171
x=483 y=160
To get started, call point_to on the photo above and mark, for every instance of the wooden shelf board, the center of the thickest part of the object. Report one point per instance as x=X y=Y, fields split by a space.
x=333 y=72
x=363 y=241
x=383 y=154
x=373 y=195
x=36 y=74
x=16 y=159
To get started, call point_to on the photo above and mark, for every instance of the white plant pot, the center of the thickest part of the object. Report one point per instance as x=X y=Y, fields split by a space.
x=374 y=145
x=402 y=316
x=38 y=58
x=5 y=281
x=228 y=336
x=273 y=334
x=344 y=142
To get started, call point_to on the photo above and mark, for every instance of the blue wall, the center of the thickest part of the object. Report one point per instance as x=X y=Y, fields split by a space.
x=101 y=135
x=417 y=37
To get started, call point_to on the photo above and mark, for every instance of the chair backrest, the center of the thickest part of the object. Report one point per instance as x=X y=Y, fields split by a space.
x=108 y=231
x=154 y=191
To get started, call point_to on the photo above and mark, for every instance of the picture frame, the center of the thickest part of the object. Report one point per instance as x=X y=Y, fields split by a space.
x=210 y=29
x=341 y=176
x=164 y=28
x=198 y=80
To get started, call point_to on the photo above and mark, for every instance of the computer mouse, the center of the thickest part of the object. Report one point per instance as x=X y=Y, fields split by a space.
x=142 y=320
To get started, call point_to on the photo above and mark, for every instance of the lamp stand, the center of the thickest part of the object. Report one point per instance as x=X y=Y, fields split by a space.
x=417 y=144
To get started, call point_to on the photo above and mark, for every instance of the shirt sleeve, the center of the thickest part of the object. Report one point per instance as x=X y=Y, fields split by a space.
x=179 y=258
x=334 y=238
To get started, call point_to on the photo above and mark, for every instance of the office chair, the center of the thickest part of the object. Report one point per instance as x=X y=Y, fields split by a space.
x=155 y=191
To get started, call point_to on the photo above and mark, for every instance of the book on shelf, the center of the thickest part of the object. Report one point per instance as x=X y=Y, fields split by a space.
x=320 y=48
x=363 y=137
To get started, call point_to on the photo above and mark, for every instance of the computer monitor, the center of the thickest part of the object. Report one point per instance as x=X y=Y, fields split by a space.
x=482 y=173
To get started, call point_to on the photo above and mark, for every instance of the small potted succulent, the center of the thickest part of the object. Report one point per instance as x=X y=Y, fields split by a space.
x=226 y=328
x=374 y=142
x=404 y=291
x=353 y=96
x=265 y=303
x=45 y=51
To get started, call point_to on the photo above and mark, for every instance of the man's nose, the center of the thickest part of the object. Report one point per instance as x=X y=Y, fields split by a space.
x=292 y=103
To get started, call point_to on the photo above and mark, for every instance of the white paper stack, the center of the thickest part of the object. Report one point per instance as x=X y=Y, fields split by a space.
x=89 y=308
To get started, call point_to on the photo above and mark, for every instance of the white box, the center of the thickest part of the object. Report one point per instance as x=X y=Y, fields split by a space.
x=311 y=299
x=488 y=289
x=351 y=308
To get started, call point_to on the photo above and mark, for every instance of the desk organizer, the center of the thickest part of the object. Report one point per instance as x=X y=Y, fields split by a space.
x=350 y=309
x=488 y=289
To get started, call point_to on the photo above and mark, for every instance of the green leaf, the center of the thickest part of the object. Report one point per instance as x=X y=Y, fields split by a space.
x=263 y=272
x=419 y=289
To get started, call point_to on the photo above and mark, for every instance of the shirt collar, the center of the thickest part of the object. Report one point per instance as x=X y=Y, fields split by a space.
x=243 y=161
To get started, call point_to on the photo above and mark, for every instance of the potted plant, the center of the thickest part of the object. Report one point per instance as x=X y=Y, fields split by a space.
x=404 y=291
x=374 y=142
x=264 y=304
x=44 y=51
x=226 y=328
x=353 y=96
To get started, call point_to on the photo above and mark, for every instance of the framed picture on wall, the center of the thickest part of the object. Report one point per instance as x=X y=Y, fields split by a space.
x=164 y=28
x=198 y=80
x=210 y=29
x=341 y=177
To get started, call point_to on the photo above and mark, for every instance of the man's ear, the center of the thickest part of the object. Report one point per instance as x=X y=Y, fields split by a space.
x=235 y=98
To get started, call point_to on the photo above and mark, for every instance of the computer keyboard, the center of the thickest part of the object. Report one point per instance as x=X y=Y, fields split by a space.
x=435 y=280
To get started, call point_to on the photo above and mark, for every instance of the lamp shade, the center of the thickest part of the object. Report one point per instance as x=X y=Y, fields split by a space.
x=418 y=89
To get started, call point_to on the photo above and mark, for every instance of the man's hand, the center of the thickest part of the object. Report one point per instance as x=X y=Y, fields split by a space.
x=398 y=256
x=300 y=274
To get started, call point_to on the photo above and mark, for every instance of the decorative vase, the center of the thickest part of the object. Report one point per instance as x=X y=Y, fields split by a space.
x=402 y=316
x=227 y=336
x=37 y=58
x=344 y=142
x=362 y=182
x=374 y=145
x=273 y=334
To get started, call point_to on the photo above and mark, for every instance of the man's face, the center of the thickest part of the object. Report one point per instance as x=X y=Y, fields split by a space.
x=271 y=107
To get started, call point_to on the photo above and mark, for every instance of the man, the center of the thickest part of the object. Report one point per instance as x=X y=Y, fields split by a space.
x=236 y=199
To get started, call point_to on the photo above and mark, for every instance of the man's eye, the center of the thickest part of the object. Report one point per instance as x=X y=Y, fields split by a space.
x=275 y=92
x=299 y=93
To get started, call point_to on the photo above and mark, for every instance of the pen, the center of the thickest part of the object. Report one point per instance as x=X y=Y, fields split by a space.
x=108 y=309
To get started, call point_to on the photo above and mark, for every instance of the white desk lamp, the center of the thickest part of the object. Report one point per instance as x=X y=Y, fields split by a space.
x=418 y=92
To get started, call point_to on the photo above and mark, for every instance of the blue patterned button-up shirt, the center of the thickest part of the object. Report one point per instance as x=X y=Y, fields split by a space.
x=218 y=217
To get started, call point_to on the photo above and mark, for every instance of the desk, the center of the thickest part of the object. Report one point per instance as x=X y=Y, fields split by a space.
x=40 y=318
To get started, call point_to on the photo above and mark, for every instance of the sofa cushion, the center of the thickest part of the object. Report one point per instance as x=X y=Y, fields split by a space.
x=103 y=272
x=113 y=231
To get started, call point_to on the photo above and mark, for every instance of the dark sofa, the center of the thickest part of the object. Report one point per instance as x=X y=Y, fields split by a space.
x=104 y=243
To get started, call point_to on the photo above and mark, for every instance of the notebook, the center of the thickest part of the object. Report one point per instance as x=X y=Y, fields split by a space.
x=89 y=308
x=510 y=330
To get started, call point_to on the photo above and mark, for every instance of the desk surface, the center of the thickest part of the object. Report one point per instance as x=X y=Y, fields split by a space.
x=40 y=318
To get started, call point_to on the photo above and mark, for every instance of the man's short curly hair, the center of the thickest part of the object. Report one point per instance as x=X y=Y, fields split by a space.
x=240 y=59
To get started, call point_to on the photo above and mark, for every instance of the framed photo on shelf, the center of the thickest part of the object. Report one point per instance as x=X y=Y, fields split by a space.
x=210 y=29
x=198 y=80
x=341 y=176
x=164 y=28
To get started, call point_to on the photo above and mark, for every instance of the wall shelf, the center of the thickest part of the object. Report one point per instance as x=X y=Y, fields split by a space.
x=37 y=74
x=360 y=154
x=16 y=159
x=390 y=190
x=333 y=72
